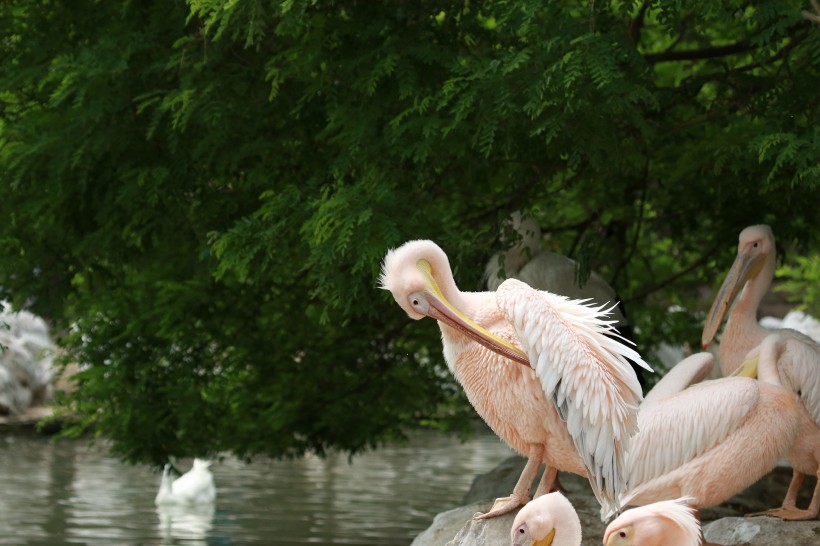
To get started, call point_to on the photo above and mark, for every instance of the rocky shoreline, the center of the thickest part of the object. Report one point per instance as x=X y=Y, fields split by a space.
x=725 y=524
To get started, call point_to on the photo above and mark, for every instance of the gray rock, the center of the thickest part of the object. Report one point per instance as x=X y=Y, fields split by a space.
x=723 y=524
x=762 y=531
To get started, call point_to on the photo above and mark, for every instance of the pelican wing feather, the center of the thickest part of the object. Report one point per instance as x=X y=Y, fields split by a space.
x=674 y=433
x=585 y=373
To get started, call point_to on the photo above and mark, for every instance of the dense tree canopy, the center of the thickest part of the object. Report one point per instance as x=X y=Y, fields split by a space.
x=199 y=194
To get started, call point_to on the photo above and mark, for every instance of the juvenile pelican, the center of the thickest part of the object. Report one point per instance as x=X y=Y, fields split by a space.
x=580 y=398
x=784 y=360
x=751 y=272
x=663 y=523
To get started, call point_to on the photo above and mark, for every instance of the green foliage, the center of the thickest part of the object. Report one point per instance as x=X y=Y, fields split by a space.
x=199 y=194
x=801 y=281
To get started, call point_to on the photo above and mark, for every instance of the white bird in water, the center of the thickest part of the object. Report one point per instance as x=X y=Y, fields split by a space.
x=192 y=488
x=579 y=392
x=750 y=276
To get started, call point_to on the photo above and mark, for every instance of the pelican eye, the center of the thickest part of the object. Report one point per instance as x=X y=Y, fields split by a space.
x=622 y=534
x=521 y=530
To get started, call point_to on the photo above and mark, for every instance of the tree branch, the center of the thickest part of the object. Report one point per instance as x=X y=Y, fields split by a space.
x=700 y=54
x=636 y=24
x=815 y=17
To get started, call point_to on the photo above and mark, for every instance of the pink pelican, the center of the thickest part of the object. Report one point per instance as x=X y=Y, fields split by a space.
x=574 y=409
x=752 y=271
x=669 y=522
x=782 y=359
x=547 y=520
x=551 y=520
x=707 y=440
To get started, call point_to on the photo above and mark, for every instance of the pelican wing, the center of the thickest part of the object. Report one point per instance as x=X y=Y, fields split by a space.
x=586 y=375
x=799 y=365
x=675 y=430
x=685 y=373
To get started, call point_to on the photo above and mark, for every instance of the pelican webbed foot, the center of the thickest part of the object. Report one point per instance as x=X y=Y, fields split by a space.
x=788 y=513
x=504 y=505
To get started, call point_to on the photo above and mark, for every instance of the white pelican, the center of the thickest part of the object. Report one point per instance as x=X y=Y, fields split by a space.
x=594 y=393
x=194 y=487
x=784 y=360
x=552 y=272
x=663 y=523
x=549 y=519
x=752 y=271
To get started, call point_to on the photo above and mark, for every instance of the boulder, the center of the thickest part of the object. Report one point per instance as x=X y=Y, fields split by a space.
x=762 y=531
x=723 y=524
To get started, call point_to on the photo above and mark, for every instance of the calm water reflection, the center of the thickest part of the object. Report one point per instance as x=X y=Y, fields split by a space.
x=72 y=492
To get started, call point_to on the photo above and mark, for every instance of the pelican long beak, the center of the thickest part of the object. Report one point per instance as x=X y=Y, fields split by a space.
x=748 y=368
x=442 y=310
x=746 y=266
x=547 y=540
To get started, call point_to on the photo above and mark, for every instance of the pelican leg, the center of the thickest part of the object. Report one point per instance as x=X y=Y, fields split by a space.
x=545 y=485
x=789 y=510
x=521 y=493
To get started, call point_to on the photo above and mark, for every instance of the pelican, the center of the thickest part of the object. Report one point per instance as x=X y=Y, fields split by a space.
x=192 y=488
x=705 y=440
x=784 y=360
x=752 y=271
x=551 y=520
x=547 y=520
x=26 y=360
x=549 y=271
x=663 y=523
x=574 y=410
x=553 y=272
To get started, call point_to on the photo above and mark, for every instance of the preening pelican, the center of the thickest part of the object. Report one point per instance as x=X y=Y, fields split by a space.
x=664 y=523
x=547 y=520
x=751 y=272
x=580 y=398
x=784 y=360
x=707 y=440
x=194 y=487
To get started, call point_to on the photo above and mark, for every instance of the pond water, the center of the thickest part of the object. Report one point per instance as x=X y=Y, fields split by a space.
x=74 y=492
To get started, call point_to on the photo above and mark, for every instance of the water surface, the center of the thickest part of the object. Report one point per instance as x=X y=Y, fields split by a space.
x=74 y=492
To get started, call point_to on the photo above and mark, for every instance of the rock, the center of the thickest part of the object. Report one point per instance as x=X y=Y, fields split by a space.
x=762 y=531
x=723 y=524
x=447 y=524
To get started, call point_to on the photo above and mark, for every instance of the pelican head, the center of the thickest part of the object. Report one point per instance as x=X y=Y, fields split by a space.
x=419 y=277
x=657 y=524
x=546 y=520
x=755 y=253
